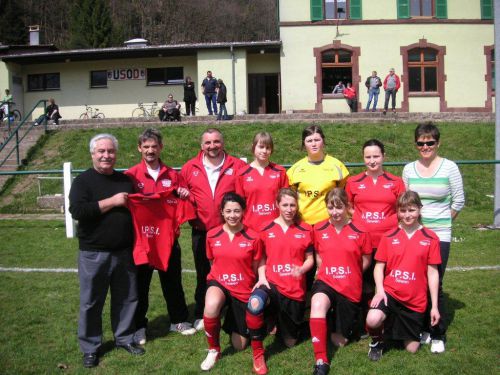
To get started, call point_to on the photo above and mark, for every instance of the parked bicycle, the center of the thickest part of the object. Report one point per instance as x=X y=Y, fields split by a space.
x=143 y=112
x=91 y=113
x=13 y=113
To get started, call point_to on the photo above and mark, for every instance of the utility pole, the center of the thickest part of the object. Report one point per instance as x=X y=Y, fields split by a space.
x=496 y=212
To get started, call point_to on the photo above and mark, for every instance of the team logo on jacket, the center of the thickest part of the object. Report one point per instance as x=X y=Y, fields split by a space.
x=425 y=242
x=140 y=185
x=166 y=183
x=229 y=171
x=245 y=244
x=299 y=235
x=395 y=241
x=274 y=176
x=324 y=236
x=271 y=235
x=249 y=179
x=217 y=243
x=361 y=186
x=353 y=236
x=150 y=231
x=196 y=173
x=388 y=185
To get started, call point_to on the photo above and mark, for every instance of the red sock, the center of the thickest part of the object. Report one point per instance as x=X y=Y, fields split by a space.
x=254 y=321
x=257 y=348
x=318 y=337
x=212 y=331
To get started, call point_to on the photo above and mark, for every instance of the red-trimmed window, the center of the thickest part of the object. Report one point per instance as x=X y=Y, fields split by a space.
x=423 y=70
x=336 y=66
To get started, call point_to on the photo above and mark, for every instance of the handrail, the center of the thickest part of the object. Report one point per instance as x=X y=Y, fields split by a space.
x=15 y=133
x=394 y=163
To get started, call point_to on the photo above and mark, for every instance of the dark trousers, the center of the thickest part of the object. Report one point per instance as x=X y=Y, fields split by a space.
x=388 y=94
x=99 y=271
x=439 y=331
x=171 y=286
x=170 y=114
x=353 y=104
x=202 y=266
x=190 y=107
x=211 y=100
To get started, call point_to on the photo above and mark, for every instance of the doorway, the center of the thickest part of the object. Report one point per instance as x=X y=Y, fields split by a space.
x=263 y=93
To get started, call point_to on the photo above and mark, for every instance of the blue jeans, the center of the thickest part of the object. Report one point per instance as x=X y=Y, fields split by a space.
x=373 y=93
x=222 y=112
x=211 y=100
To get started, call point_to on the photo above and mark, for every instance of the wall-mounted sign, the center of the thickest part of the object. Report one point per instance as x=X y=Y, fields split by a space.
x=126 y=74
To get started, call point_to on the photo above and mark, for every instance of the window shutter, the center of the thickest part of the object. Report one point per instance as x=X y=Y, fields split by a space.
x=316 y=10
x=486 y=9
x=403 y=8
x=441 y=9
x=355 y=9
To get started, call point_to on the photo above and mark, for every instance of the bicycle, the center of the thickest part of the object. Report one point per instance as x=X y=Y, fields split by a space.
x=143 y=111
x=12 y=113
x=91 y=113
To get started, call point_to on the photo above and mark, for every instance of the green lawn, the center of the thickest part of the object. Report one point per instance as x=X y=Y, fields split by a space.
x=40 y=310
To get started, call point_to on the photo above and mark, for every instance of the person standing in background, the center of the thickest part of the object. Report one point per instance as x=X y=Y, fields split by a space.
x=209 y=85
x=189 y=96
x=373 y=84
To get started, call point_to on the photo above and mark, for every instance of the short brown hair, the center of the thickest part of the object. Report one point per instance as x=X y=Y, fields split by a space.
x=264 y=138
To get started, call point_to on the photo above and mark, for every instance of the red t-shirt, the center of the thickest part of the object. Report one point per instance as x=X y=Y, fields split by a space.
x=260 y=193
x=232 y=260
x=342 y=257
x=284 y=250
x=156 y=219
x=375 y=204
x=406 y=261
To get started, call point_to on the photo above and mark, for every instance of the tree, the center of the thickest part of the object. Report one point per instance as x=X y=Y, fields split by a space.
x=91 y=25
x=12 y=28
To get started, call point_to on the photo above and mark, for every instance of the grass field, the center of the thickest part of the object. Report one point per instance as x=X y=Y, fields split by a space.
x=39 y=311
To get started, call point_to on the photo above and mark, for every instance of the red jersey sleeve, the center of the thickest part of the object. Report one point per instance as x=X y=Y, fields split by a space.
x=366 y=244
x=348 y=190
x=434 y=256
x=284 y=183
x=259 y=249
x=381 y=254
x=238 y=185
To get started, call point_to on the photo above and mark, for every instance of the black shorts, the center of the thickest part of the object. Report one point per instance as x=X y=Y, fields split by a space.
x=344 y=315
x=235 y=318
x=401 y=322
x=368 y=280
x=288 y=313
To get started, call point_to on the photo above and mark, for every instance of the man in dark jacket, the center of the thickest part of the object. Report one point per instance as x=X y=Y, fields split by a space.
x=373 y=84
x=98 y=199
x=222 y=99
x=209 y=86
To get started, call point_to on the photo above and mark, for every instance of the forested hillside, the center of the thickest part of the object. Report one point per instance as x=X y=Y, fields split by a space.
x=107 y=23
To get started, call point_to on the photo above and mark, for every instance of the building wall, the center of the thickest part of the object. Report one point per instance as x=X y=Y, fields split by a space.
x=118 y=99
x=220 y=63
x=263 y=63
x=380 y=49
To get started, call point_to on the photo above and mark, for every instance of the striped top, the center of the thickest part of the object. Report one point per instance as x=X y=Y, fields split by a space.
x=439 y=194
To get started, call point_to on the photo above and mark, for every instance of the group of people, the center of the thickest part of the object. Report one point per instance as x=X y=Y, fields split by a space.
x=363 y=247
x=213 y=89
x=391 y=85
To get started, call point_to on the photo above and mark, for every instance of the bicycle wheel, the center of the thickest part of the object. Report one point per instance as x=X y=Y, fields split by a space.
x=156 y=113
x=84 y=116
x=99 y=115
x=16 y=114
x=138 y=113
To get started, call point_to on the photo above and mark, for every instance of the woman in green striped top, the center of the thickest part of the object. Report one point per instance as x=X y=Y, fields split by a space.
x=439 y=184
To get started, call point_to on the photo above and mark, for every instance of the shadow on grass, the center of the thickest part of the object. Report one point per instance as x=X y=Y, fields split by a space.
x=451 y=305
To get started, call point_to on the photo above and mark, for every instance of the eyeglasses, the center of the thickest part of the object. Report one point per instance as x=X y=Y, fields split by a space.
x=428 y=143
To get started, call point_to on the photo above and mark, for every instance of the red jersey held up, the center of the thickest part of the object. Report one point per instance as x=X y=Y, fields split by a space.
x=232 y=260
x=156 y=219
x=406 y=262
x=168 y=179
x=260 y=193
x=208 y=205
x=284 y=250
x=375 y=203
x=342 y=257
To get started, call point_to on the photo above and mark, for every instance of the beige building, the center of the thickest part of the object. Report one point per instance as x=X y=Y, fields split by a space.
x=442 y=50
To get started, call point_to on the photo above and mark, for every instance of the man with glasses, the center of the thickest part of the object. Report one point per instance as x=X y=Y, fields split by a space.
x=170 y=110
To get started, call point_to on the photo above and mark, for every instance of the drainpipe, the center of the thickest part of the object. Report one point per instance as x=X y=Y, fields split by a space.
x=233 y=62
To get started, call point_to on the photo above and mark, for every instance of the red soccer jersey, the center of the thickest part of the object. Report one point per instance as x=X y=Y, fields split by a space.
x=232 y=260
x=207 y=204
x=167 y=180
x=342 y=257
x=406 y=262
x=375 y=204
x=260 y=193
x=284 y=250
x=156 y=220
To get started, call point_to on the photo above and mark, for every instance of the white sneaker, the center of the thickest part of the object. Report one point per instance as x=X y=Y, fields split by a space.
x=209 y=362
x=437 y=346
x=184 y=328
x=425 y=338
x=199 y=325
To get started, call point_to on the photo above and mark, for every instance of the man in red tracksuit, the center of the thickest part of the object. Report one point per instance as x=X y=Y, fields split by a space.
x=209 y=175
x=151 y=176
